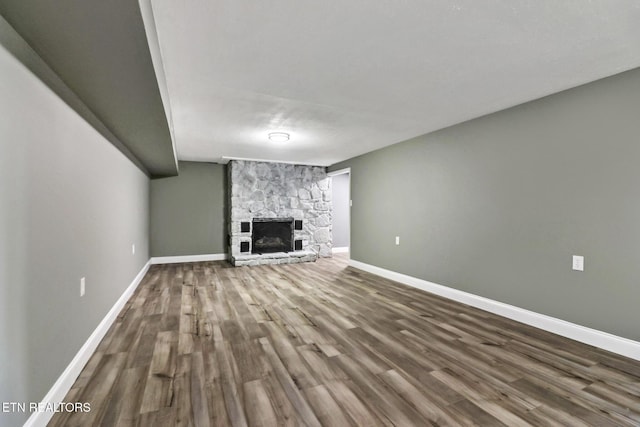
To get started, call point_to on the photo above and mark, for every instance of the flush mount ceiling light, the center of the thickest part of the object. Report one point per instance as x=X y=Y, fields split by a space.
x=279 y=137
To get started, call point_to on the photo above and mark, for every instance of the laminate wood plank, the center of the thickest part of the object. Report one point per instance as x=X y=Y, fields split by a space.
x=330 y=350
x=158 y=390
x=230 y=385
x=617 y=375
x=630 y=402
x=560 y=403
x=557 y=418
x=282 y=406
x=88 y=371
x=325 y=344
x=280 y=319
x=213 y=384
x=129 y=331
x=290 y=357
x=199 y=400
x=389 y=404
x=250 y=360
x=366 y=357
x=259 y=409
x=328 y=411
x=608 y=360
x=468 y=414
x=220 y=306
x=312 y=335
x=352 y=405
x=163 y=362
x=476 y=393
x=467 y=356
x=148 y=419
x=99 y=393
x=141 y=350
x=423 y=404
x=233 y=331
x=205 y=297
x=392 y=352
x=493 y=386
x=133 y=383
x=245 y=319
x=163 y=301
x=570 y=384
x=182 y=412
x=62 y=419
x=324 y=369
x=529 y=364
x=124 y=406
x=590 y=402
x=291 y=388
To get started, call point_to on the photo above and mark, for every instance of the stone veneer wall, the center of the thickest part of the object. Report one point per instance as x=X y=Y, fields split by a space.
x=277 y=190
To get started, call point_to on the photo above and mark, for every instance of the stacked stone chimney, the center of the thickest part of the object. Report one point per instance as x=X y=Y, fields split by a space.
x=278 y=190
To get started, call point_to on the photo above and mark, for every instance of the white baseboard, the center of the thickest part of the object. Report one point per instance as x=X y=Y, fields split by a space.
x=188 y=258
x=340 y=250
x=594 y=337
x=64 y=383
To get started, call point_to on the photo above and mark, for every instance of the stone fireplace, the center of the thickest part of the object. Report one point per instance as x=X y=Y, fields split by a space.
x=279 y=213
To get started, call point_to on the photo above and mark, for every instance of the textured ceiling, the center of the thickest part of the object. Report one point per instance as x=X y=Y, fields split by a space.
x=345 y=78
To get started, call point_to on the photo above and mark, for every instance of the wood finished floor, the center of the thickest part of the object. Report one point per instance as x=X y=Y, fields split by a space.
x=323 y=344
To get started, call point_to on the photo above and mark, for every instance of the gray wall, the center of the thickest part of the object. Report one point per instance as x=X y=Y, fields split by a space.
x=188 y=212
x=71 y=205
x=498 y=205
x=340 y=200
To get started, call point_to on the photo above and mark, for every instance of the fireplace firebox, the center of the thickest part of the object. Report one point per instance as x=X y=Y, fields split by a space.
x=272 y=235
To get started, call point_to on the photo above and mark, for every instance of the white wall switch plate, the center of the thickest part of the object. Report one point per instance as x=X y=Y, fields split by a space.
x=397 y=240
x=82 y=283
x=578 y=263
x=133 y=249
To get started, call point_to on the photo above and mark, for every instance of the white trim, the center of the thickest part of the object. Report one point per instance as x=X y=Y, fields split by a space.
x=340 y=250
x=64 y=383
x=339 y=172
x=604 y=340
x=188 y=258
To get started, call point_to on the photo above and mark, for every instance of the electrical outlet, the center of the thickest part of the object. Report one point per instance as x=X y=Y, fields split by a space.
x=578 y=263
x=397 y=240
x=133 y=249
x=82 y=283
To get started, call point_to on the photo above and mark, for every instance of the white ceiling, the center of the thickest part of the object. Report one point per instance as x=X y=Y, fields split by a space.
x=347 y=77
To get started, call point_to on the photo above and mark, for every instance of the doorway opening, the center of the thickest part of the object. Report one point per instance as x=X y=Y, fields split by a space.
x=341 y=199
